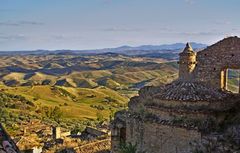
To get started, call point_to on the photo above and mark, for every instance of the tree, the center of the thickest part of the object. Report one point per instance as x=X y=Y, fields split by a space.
x=57 y=113
x=52 y=113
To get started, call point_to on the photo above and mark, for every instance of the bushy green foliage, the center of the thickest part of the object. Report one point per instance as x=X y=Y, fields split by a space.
x=14 y=101
x=128 y=148
x=52 y=113
x=78 y=128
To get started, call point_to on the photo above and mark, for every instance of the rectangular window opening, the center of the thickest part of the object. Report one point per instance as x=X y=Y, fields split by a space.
x=233 y=80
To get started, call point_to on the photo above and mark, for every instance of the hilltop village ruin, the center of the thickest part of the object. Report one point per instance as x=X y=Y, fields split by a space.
x=195 y=113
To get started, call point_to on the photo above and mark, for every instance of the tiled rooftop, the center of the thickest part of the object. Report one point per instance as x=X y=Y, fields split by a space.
x=190 y=91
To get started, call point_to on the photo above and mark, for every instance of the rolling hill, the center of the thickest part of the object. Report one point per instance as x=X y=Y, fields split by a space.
x=74 y=90
x=110 y=70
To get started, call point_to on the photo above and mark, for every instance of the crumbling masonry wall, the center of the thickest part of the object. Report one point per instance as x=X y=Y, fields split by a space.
x=156 y=138
x=214 y=60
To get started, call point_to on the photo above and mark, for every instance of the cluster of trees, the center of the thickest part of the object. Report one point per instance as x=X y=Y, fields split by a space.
x=53 y=113
x=11 y=101
x=7 y=100
x=12 y=120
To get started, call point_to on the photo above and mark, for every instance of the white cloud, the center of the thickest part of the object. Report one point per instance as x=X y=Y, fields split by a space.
x=19 y=23
x=6 y=37
x=189 y=1
x=205 y=33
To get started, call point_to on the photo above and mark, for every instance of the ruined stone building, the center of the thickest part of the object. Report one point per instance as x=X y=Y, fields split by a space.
x=177 y=117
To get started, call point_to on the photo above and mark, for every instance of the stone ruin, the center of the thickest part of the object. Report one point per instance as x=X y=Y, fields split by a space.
x=177 y=117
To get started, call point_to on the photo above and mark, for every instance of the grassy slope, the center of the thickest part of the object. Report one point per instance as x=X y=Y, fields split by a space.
x=80 y=108
x=14 y=76
x=87 y=83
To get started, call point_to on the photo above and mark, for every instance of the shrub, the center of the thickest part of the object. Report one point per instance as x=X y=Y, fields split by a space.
x=128 y=148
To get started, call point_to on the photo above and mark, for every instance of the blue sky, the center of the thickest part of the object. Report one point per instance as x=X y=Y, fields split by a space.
x=89 y=24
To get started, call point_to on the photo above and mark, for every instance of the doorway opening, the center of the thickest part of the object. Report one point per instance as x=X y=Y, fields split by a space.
x=123 y=135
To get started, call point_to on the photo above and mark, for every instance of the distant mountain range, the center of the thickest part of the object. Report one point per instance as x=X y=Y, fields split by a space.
x=175 y=46
x=126 y=50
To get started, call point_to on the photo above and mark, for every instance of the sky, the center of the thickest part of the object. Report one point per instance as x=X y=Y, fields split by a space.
x=92 y=24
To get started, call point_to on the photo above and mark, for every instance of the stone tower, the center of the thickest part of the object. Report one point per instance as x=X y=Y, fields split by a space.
x=187 y=62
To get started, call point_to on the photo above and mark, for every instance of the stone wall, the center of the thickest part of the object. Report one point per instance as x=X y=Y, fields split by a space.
x=101 y=146
x=212 y=61
x=93 y=131
x=156 y=138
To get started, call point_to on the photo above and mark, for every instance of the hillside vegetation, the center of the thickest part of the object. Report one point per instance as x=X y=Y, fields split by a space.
x=74 y=91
